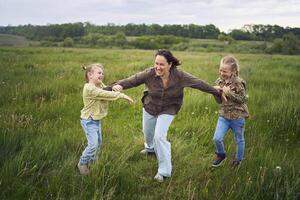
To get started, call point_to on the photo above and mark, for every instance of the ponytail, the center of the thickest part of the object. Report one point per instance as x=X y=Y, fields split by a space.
x=89 y=68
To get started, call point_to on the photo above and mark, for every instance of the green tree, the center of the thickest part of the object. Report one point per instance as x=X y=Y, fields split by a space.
x=290 y=44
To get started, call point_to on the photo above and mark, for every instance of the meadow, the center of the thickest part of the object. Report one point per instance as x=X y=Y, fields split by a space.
x=41 y=138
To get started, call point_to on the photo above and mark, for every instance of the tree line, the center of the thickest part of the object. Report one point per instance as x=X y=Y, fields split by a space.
x=283 y=40
x=58 y=32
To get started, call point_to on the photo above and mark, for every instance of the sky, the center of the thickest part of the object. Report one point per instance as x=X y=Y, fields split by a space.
x=224 y=14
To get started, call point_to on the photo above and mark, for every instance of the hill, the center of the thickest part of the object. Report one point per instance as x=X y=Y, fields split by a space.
x=15 y=41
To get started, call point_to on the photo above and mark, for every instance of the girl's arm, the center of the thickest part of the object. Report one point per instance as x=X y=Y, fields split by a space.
x=100 y=94
x=236 y=93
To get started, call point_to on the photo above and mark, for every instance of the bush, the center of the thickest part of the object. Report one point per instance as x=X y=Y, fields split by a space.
x=289 y=44
x=225 y=38
x=68 y=42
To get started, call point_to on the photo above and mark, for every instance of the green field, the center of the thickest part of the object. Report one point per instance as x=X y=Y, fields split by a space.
x=41 y=138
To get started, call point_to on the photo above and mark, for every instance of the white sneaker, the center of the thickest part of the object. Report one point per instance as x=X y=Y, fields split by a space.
x=159 y=178
x=145 y=152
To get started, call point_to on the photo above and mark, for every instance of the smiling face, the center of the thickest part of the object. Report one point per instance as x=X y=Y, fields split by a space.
x=96 y=76
x=161 y=66
x=225 y=71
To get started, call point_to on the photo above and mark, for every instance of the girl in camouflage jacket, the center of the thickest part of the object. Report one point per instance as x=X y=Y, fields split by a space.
x=233 y=110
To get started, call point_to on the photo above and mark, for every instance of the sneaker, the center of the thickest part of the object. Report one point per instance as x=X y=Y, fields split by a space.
x=159 y=178
x=236 y=163
x=218 y=161
x=83 y=169
x=145 y=152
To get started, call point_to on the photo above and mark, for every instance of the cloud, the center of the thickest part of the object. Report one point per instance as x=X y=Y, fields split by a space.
x=225 y=14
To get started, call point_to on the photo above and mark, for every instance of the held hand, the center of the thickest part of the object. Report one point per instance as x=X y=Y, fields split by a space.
x=117 y=88
x=218 y=88
x=226 y=90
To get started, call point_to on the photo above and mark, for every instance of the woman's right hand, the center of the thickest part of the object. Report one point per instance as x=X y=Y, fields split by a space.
x=218 y=88
x=117 y=88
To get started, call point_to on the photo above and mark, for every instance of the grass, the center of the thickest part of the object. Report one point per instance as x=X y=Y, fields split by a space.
x=41 y=138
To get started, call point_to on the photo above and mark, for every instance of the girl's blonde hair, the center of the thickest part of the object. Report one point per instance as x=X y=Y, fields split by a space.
x=232 y=62
x=90 y=68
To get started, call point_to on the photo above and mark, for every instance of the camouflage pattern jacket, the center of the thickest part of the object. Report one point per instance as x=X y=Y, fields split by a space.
x=235 y=107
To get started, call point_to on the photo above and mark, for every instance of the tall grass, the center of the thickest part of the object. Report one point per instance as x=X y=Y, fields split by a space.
x=41 y=139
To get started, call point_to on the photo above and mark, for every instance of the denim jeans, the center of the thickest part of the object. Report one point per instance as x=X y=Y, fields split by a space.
x=155 y=130
x=237 y=127
x=92 y=130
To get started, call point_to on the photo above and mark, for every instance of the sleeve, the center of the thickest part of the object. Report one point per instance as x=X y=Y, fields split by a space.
x=189 y=80
x=100 y=94
x=134 y=80
x=238 y=93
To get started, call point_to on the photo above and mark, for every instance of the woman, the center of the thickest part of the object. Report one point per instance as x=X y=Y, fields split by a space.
x=162 y=100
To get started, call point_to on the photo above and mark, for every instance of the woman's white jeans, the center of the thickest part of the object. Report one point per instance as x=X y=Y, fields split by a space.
x=155 y=130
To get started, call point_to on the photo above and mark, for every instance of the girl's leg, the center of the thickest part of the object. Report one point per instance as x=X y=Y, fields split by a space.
x=237 y=127
x=149 y=123
x=99 y=134
x=162 y=146
x=221 y=130
x=92 y=132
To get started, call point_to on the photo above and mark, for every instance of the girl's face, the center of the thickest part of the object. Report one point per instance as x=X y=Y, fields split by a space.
x=96 y=76
x=161 y=66
x=225 y=71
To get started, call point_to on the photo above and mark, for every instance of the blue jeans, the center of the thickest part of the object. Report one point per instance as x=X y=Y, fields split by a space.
x=237 y=127
x=155 y=130
x=92 y=130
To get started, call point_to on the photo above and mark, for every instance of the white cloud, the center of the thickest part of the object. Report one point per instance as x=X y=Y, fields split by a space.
x=225 y=14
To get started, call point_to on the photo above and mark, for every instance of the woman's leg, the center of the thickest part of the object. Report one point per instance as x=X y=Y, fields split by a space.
x=149 y=123
x=237 y=127
x=162 y=146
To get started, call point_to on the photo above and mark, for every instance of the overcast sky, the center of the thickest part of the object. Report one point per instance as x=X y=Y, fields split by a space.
x=225 y=14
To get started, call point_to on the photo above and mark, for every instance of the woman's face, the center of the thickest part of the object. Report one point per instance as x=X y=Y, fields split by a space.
x=225 y=71
x=161 y=66
x=96 y=75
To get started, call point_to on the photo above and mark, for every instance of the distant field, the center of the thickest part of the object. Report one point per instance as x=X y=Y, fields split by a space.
x=41 y=138
x=15 y=41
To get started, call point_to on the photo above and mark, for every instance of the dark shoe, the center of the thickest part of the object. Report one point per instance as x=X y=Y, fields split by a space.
x=236 y=163
x=220 y=158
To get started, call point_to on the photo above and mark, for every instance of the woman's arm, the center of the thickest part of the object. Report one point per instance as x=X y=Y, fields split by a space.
x=189 y=80
x=133 y=81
